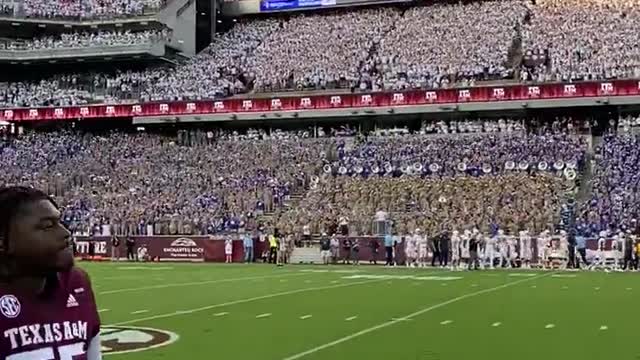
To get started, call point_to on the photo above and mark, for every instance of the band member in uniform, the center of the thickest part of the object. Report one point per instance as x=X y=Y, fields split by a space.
x=423 y=248
x=43 y=296
x=115 y=248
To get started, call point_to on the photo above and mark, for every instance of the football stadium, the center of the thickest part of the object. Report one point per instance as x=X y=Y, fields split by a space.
x=334 y=179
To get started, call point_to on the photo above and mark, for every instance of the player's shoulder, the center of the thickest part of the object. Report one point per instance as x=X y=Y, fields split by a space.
x=75 y=277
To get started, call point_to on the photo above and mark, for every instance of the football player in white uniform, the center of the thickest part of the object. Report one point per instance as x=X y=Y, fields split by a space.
x=490 y=250
x=411 y=250
x=503 y=245
x=616 y=249
x=423 y=248
x=600 y=253
x=455 y=250
x=525 y=249
x=464 y=246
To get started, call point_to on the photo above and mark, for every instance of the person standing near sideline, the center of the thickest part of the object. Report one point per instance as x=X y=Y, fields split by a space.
x=473 y=252
x=444 y=248
x=131 y=249
x=325 y=250
x=375 y=247
x=388 y=246
x=115 y=248
x=581 y=248
x=247 y=244
x=435 y=249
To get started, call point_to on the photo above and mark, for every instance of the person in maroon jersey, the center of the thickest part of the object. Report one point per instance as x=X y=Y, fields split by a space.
x=47 y=306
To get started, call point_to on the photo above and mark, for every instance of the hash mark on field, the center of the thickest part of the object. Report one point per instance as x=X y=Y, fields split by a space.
x=446 y=322
x=139 y=312
x=603 y=327
x=496 y=324
x=444 y=284
x=263 y=316
x=412 y=315
x=628 y=289
x=305 y=317
x=164 y=286
x=103 y=310
x=533 y=286
x=565 y=287
x=335 y=281
x=351 y=318
x=474 y=285
x=283 y=280
x=247 y=300
x=549 y=326
x=596 y=289
x=401 y=319
x=221 y=314
x=307 y=281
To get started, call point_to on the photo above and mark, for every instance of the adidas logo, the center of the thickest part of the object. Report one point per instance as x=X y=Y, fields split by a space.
x=71 y=302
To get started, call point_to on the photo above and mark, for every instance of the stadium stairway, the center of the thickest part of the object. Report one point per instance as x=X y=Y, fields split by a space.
x=306 y=255
x=586 y=179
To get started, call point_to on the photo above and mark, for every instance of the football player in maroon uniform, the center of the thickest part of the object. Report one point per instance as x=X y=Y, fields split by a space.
x=47 y=306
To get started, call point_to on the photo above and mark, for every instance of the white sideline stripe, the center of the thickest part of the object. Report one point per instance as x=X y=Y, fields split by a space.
x=221 y=314
x=550 y=326
x=305 y=317
x=164 y=286
x=243 y=301
x=417 y=313
x=139 y=312
x=496 y=324
x=263 y=316
x=446 y=322
x=351 y=318
x=103 y=310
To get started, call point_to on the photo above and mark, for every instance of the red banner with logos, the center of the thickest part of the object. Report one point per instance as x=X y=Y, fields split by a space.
x=167 y=248
x=319 y=102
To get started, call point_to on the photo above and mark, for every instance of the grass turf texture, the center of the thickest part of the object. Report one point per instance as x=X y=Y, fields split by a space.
x=249 y=312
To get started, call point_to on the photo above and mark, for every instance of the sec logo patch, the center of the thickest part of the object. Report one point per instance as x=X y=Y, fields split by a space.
x=10 y=306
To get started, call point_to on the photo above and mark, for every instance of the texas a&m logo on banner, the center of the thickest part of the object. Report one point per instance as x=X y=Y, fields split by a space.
x=533 y=91
x=606 y=88
x=336 y=100
x=111 y=110
x=398 y=98
x=218 y=105
x=305 y=103
x=247 y=105
x=276 y=104
x=84 y=111
x=366 y=99
x=58 y=113
x=191 y=107
x=569 y=89
x=8 y=114
x=164 y=108
x=498 y=93
x=136 y=109
x=431 y=96
x=464 y=95
x=33 y=113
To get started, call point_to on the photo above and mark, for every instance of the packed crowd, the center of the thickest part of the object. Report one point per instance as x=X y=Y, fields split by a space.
x=615 y=201
x=88 y=40
x=584 y=39
x=192 y=184
x=207 y=182
x=434 y=46
x=441 y=45
x=87 y=9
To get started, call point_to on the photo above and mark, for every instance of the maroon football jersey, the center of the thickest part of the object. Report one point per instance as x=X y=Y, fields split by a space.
x=56 y=327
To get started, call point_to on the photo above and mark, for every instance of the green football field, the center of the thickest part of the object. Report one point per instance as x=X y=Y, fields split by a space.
x=185 y=311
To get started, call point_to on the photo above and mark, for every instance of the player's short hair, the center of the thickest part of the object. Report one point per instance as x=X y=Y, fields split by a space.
x=11 y=200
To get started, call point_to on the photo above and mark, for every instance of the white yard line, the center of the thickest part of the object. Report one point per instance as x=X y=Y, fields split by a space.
x=244 y=301
x=164 y=286
x=139 y=312
x=263 y=316
x=417 y=313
